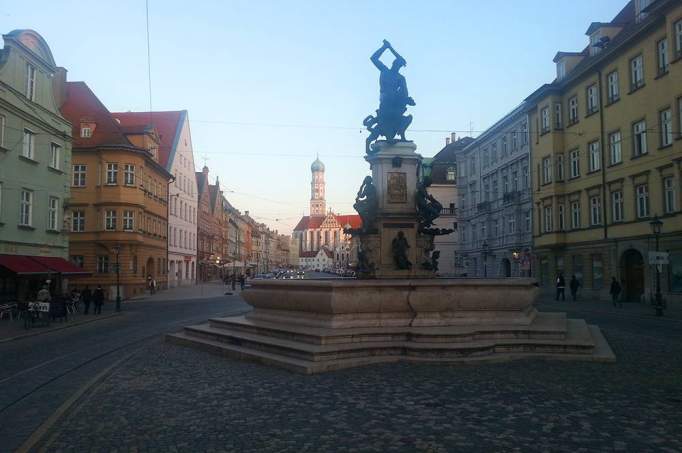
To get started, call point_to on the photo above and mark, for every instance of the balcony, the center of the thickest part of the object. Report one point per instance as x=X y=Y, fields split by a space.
x=448 y=212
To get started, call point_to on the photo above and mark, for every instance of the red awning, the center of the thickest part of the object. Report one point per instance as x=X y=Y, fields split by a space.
x=22 y=265
x=59 y=265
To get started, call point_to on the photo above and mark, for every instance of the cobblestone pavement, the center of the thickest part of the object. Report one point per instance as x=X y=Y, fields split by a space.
x=171 y=398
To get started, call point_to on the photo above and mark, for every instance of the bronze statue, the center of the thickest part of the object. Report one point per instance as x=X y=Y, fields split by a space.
x=428 y=208
x=431 y=263
x=393 y=101
x=366 y=204
x=399 y=248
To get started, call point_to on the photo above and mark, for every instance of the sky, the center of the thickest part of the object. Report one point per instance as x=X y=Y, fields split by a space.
x=271 y=84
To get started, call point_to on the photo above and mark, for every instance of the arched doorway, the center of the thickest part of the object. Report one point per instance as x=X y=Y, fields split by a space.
x=150 y=267
x=632 y=272
x=506 y=268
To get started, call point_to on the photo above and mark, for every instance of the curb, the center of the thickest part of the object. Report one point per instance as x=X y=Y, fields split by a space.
x=68 y=326
x=38 y=435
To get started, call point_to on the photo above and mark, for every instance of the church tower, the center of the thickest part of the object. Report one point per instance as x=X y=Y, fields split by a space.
x=317 y=203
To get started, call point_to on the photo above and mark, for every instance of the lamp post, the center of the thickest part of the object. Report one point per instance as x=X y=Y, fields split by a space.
x=117 y=252
x=656 y=226
x=485 y=259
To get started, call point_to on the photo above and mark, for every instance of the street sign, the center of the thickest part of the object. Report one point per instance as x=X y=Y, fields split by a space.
x=658 y=258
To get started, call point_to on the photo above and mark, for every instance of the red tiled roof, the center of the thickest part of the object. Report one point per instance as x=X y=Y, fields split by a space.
x=167 y=124
x=81 y=105
x=307 y=222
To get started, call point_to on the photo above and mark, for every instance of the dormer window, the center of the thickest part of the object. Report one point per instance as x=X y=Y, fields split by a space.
x=30 y=82
x=561 y=70
x=86 y=132
x=640 y=5
x=595 y=44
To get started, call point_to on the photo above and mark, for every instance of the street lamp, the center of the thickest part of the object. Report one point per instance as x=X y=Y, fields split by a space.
x=117 y=252
x=656 y=226
x=485 y=259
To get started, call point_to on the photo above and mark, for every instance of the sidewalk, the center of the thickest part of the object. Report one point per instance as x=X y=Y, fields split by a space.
x=14 y=329
x=673 y=311
x=199 y=291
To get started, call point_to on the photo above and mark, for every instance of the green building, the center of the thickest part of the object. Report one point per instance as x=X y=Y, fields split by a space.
x=35 y=159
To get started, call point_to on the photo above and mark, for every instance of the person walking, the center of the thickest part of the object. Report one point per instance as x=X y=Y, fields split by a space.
x=44 y=295
x=575 y=284
x=615 y=292
x=86 y=296
x=234 y=282
x=242 y=281
x=98 y=298
x=560 y=287
x=153 y=286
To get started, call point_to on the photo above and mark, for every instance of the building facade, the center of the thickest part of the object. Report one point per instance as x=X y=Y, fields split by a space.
x=177 y=157
x=442 y=170
x=494 y=213
x=608 y=156
x=209 y=232
x=35 y=156
x=118 y=204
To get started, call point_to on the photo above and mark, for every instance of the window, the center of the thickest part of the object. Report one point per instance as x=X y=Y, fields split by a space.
x=451 y=174
x=128 y=220
x=112 y=173
x=642 y=201
x=557 y=116
x=613 y=86
x=544 y=114
x=53 y=214
x=515 y=180
x=594 y=155
x=573 y=110
x=528 y=221
x=55 y=156
x=662 y=56
x=102 y=264
x=595 y=210
x=77 y=221
x=3 y=122
x=575 y=163
x=636 y=73
x=666 y=127
x=617 y=206
x=79 y=175
x=110 y=220
x=511 y=224
x=493 y=148
x=515 y=140
x=592 y=99
x=678 y=37
x=614 y=148
x=575 y=215
x=29 y=144
x=86 y=131
x=503 y=150
x=560 y=167
x=526 y=182
x=562 y=219
x=547 y=223
x=78 y=260
x=561 y=70
x=30 y=82
x=505 y=183
x=26 y=208
x=524 y=133
x=597 y=272
x=129 y=175
x=546 y=170
x=669 y=195
x=639 y=138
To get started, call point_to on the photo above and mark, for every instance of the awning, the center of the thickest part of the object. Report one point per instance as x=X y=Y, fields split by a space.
x=22 y=265
x=59 y=265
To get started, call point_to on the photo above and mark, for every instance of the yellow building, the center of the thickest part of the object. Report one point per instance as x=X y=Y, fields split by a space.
x=607 y=156
x=118 y=197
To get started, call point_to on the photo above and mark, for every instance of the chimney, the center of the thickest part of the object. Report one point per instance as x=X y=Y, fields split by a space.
x=447 y=141
x=205 y=170
x=453 y=137
x=246 y=213
x=59 y=86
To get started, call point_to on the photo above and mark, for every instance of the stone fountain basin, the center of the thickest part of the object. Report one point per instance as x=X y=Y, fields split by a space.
x=393 y=302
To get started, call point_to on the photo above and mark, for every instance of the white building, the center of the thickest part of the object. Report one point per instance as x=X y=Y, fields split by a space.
x=176 y=155
x=322 y=259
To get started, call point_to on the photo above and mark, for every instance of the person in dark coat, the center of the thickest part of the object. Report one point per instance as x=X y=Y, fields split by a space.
x=98 y=298
x=242 y=281
x=575 y=284
x=86 y=297
x=615 y=293
x=560 y=287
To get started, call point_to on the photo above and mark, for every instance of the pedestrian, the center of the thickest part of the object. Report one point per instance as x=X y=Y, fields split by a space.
x=242 y=281
x=575 y=284
x=75 y=299
x=149 y=284
x=234 y=282
x=98 y=298
x=615 y=293
x=44 y=295
x=560 y=287
x=86 y=297
x=153 y=286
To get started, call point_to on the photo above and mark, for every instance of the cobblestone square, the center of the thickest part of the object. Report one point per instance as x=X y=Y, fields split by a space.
x=168 y=398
